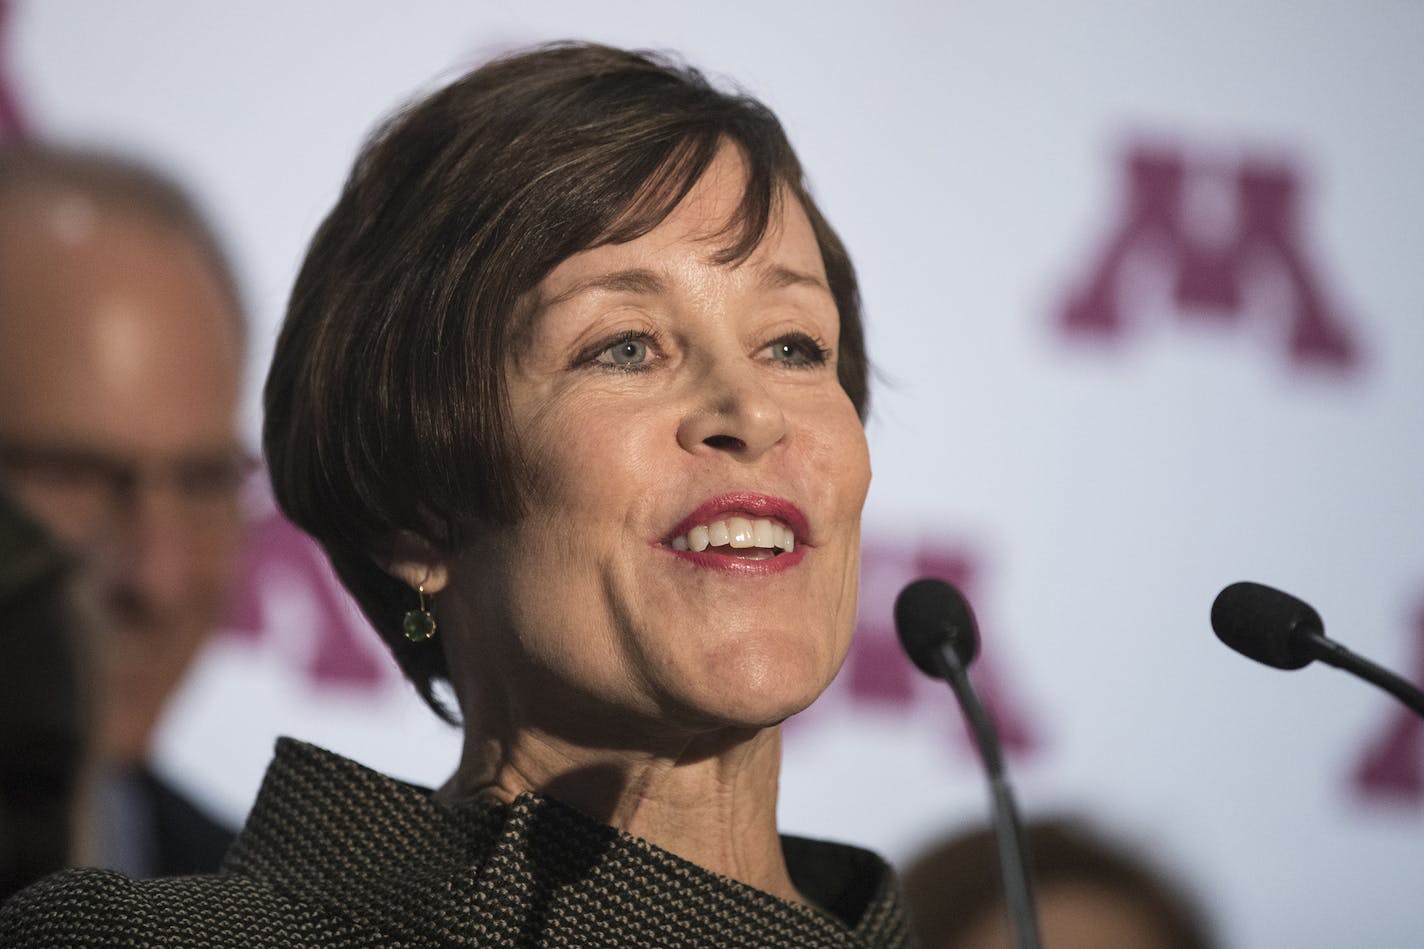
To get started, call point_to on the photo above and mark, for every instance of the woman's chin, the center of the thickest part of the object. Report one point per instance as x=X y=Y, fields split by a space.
x=755 y=712
x=756 y=690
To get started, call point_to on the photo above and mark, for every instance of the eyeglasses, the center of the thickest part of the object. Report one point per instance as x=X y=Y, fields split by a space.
x=89 y=491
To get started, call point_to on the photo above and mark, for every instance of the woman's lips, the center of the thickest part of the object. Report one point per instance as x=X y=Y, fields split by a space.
x=749 y=506
x=741 y=531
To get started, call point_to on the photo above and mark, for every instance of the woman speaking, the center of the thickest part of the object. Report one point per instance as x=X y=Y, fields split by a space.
x=570 y=389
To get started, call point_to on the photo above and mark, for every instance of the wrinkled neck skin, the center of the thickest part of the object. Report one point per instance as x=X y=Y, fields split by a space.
x=709 y=798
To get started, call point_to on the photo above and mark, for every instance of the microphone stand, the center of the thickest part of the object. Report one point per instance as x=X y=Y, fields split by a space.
x=1013 y=861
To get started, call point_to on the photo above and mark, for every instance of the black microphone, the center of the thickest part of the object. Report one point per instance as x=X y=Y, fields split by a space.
x=1279 y=630
x=930 y=614
x=937 y=631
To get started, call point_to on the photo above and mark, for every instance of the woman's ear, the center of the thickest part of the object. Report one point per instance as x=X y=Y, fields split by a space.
x=414 y=561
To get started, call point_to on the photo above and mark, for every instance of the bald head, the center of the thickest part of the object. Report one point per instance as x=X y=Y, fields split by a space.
x=110 y=327
x=120 y=372
x=80 y=183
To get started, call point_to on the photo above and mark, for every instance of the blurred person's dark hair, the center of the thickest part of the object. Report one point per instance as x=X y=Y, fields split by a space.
x=385 y=407
x=46 y=701
x=954 y=885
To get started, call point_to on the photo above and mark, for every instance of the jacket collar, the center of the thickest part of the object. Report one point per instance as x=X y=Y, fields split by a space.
x=385 y=855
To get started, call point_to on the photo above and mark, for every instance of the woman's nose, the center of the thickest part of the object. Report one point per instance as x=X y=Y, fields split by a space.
x=734 y=413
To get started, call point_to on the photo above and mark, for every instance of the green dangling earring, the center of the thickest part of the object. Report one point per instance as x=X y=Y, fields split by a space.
x=418 y=624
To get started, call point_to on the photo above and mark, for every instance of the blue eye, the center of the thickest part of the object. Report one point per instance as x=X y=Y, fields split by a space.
x=626 y=353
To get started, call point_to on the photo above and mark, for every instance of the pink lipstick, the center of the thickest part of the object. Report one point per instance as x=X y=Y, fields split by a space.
x=720 y=534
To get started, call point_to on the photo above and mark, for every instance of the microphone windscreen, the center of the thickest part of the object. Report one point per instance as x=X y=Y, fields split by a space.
x=1265 y=624
x=930 y=613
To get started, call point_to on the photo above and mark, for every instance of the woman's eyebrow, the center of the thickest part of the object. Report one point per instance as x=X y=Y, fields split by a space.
x=637 y=280
x=776 y=277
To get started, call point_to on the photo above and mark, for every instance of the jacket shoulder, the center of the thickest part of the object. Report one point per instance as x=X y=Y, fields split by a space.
x=90 y=907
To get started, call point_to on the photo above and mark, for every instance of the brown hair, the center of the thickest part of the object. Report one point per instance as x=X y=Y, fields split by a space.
x=385 y=403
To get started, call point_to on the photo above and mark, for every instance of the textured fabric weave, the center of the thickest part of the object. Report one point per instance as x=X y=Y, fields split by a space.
x=334 y=854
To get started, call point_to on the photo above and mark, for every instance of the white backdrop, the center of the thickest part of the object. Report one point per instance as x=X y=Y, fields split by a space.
x=1093 y=485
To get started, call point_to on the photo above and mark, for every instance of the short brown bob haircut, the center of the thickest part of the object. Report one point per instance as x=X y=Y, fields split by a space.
x=385 y=404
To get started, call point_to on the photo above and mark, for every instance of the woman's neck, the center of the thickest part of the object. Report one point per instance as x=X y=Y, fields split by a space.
x=710 y=799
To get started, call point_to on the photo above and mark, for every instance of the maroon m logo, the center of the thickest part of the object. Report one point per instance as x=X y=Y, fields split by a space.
x=11 y=125
x=286 y=588
x=1211 y=276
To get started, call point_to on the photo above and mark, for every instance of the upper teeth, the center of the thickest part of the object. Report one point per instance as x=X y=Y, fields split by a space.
x=738 y=532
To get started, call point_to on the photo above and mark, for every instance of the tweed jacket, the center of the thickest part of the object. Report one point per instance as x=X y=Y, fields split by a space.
x=334 y=854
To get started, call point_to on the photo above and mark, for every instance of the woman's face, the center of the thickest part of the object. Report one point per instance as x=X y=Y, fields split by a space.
x=690 y=549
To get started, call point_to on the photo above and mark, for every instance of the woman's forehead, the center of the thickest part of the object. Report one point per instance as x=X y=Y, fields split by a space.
x=700 y=235
x=695 y=235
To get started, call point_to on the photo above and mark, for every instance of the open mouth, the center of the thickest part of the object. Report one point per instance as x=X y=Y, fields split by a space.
x=742 y=537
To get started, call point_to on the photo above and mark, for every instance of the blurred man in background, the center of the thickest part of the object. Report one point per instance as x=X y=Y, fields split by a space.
x=121 y=348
